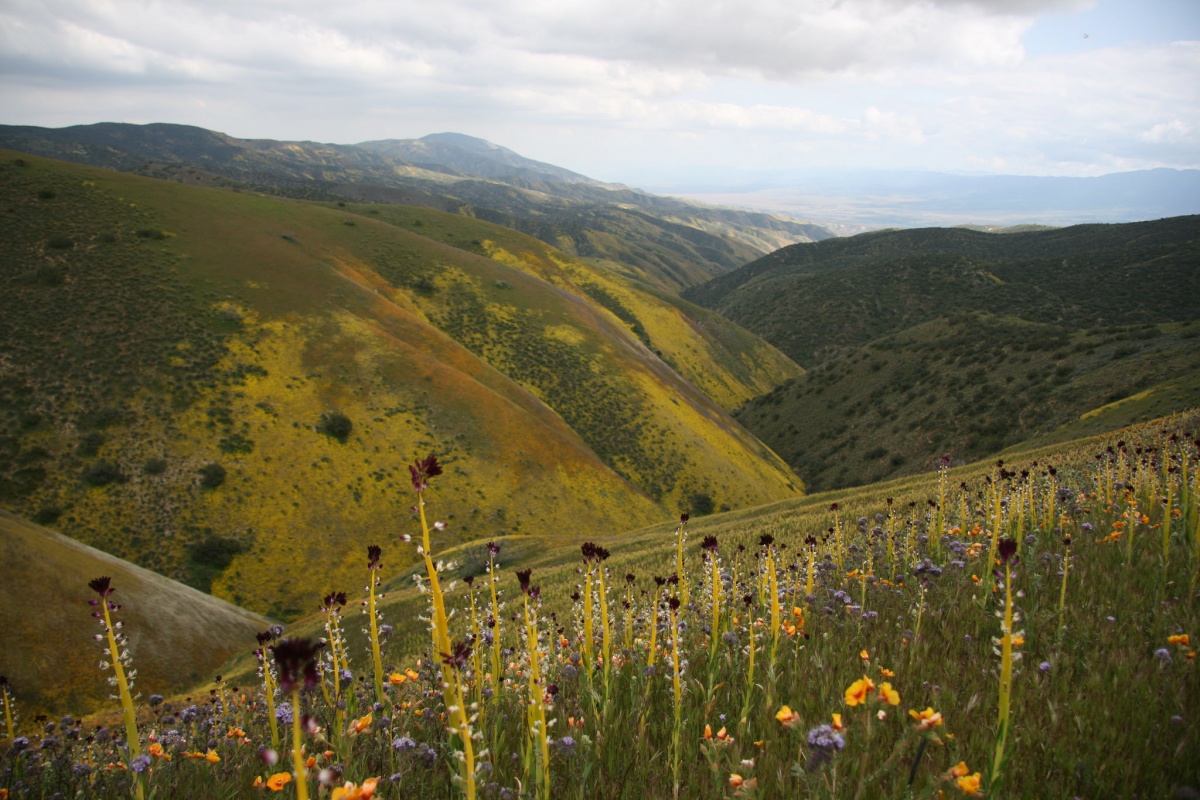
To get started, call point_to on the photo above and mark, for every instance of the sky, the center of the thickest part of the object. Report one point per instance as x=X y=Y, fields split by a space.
x=640 y=91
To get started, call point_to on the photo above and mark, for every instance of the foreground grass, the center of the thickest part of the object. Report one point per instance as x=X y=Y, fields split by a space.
x=950 y=640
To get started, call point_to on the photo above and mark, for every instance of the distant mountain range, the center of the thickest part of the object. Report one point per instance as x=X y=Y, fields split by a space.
x=661 y=241
x=851 y=201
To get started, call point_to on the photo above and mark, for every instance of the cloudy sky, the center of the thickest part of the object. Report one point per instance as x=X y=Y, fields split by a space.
x=639 y=91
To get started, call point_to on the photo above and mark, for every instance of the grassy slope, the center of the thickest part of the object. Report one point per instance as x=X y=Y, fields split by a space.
x=178 y=636
x=968 y=386
x=808 y=298
x=1059 y=729
x=225 y=339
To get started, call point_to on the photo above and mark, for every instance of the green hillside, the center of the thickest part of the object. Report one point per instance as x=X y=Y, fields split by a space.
x=969 y=385
x=809 y=298
x=195 y=377
x=666 y=242
x=182 y=636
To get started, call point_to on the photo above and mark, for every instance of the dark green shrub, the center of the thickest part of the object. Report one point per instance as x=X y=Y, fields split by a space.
x=61 y=242
x=90 y=444
x=150 y=233
x=47 y=194
x=155 y=466
x=102 y=473
x=335 y=424
x=702 y=504
x=47 y=515
x=212 y=475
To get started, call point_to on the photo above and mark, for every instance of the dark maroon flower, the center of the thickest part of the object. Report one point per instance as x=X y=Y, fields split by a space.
x=709 y=544
x=673 y=602
x=659 y=581
x=493 y=548
x=630 y=578
x=459 y=656
x=422 y=471
x=589 y=550
x=766 y=540
x=1007 y=550
x=334 y=600
x=373 y=554
x=469 y=580
x=101 y=586
x=297 y=663
x=683 y=518
x=523 y=576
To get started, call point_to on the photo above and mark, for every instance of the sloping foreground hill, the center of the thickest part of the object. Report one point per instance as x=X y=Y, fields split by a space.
x=181 y=636
x=967 y=386
x=808 y=298
x=668 y=242
x=226 y=387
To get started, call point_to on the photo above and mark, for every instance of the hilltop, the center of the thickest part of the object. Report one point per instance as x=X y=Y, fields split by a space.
x=665 y=242
x=226 y=387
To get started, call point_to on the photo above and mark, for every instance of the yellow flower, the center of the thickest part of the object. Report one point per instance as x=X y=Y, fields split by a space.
x=787 y=717
x=888 y=695
x=1182 y=639
x=970 y=784
x=837 y=723
x=887 y=673
x=859 y=690
x=279 y=780
x=926 y=719
x=864 y=655
x=212 y=757
x=958 y=770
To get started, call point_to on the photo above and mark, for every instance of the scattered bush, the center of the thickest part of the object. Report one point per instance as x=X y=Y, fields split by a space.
x=102 y=473
x=212 y=475
x=155 y=466
x=335 y=424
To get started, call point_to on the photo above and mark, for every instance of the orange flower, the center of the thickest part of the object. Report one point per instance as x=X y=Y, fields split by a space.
x=926 y=719
x=235 y=732
x=837 y=723
x=864 y=655
x=970 y=784
x=708 y=731
x=156 y=750
x=412 y=676
x=787 y=717
x=975 y=578
x=1182 y=639
x=362 y=723
x=888 y=695
x=212 y=757
x=735 y=780
x=722 y=736
x=350 y=791
x=396 y=679
x=887 y=673
x=958 y=770
x=859 y=691
x=279 y=780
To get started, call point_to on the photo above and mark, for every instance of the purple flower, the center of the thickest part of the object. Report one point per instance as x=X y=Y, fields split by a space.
x=140 y=764
x=825 y=737
x=1044 y=666
x=1163 y=655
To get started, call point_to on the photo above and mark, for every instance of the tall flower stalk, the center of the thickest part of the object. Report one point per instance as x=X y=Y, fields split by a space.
x=677 y=690
x=118 y=650
x=1009 y=638
x=536 y=716
x=494 y=619
x=9 y=713
x=374 y=581
x=421 y=472
x=680 y=538
x=339 y=663
x=296 y=660
x=264 y=665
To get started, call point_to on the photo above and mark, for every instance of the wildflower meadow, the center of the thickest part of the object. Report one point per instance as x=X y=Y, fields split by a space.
x=1020 y=628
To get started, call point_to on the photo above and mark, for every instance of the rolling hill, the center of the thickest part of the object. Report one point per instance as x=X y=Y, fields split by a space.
x=226 y=387
x=666 y=242
x=180 y=636
x=951 y=342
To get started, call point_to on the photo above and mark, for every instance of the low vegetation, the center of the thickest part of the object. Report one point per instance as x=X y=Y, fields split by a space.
x=1016 y=629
